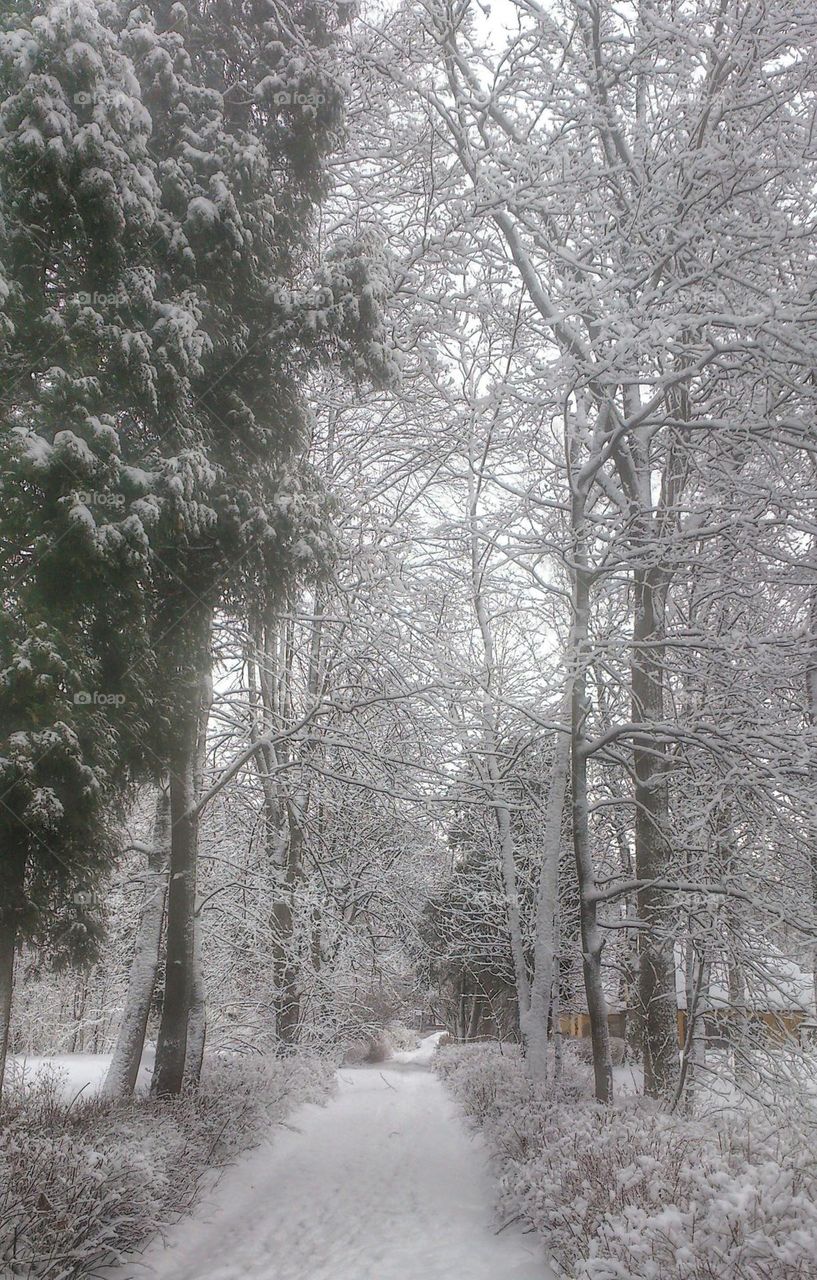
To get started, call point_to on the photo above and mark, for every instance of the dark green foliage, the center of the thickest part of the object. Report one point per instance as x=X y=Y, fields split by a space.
x=157 y=331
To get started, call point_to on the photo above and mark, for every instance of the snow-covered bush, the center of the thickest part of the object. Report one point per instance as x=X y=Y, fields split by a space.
x=628 y=1193
x=82 y=1185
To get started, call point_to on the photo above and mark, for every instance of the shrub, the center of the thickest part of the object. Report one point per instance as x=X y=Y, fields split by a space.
x=82 y=1185
x=628 y=1193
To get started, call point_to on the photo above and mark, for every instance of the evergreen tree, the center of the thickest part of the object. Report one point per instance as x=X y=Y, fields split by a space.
x=160 y=169
x=246 y=107
x=78 y=210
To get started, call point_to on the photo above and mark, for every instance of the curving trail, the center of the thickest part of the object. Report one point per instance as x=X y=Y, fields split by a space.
x=384 y=1183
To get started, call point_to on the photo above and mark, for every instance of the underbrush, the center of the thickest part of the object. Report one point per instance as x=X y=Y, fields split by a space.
x=629 y=1193
x=82 y=1185
x=379 y=1045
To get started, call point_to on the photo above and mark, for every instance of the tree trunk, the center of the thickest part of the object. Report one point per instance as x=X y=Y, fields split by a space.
x=698 y=1008
x=8 y=945
x=197 y=1019
x=124 y=1069
x=269 y=665
x=13 y=892
x=189 y=647
x=168 y=1075
x=490 y=753
x=592 y=938
x=656 y=960
x=509 y=879
x=460 y=1020
x=472 y=1029
x=628 y=955
x=285 y=971
x=628 y=988
x=693 y=1057
x=811 y=699
x=556 y=998
x=535 y=1020
x=80 y=998
x=738 y=1010
x=591 y=934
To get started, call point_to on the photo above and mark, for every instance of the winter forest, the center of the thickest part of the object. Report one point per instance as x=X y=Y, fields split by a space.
x=408 y=652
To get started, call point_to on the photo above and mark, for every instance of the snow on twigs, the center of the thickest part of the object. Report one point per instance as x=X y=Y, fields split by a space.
x=83 y=1185
x=629 y=1193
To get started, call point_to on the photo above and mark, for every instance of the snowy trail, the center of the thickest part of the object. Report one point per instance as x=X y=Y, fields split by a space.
x=384 y=1183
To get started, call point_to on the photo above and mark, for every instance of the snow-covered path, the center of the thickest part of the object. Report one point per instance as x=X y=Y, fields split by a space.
x=384 y=1183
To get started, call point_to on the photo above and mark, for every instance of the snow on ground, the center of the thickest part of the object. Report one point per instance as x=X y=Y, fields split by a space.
x=383 y=1183
x=79 y=1074
x=628 y=1079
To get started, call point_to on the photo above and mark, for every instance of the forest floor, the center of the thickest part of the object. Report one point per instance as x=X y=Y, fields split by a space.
x=383 y=1183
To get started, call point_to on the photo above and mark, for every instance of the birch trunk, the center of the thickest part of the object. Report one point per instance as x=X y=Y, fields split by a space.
x=127 y=1055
